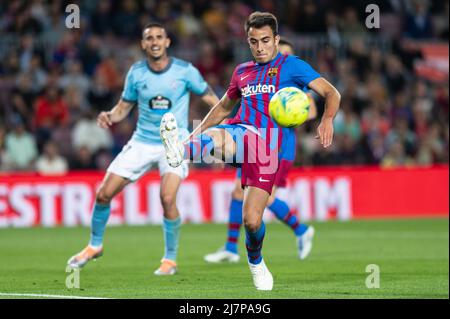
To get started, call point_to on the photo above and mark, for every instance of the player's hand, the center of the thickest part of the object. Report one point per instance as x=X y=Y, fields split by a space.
x=104 y=120
x=325 y=132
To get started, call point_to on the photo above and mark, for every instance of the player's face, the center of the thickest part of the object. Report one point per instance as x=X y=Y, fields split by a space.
x=155 y=42
x=263 y=44
x=286 y=49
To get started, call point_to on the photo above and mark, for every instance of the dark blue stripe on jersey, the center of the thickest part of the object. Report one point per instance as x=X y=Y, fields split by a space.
x=260 y=102
x=129 y=101
x=252 y=118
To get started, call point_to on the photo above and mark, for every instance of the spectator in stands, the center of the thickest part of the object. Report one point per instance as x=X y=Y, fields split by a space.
x=418 y=24
x=87 y=133
x=75 y=78
x=82 y=159
x=21 y=150
x=50 y=111
x=51 y=162
x=396 y=156
x=126 y=21
x=99 y=95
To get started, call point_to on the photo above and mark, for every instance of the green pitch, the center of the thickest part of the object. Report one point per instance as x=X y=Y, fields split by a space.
x=412 y=256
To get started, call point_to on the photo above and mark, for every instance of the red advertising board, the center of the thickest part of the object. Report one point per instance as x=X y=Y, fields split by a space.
x=314 y=194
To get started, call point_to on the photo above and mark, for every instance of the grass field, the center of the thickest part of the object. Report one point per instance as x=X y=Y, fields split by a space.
x=413 y=256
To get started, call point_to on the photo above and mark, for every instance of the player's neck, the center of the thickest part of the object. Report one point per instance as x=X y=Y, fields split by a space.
x=160 y=64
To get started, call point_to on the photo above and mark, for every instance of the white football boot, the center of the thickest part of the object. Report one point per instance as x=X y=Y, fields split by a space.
x=262 y=278
x=222 y=255
x=304 y=243
x=168 y=130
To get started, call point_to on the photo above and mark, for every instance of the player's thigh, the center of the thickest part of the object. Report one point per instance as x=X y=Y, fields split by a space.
x=224 y=144
x=135 y=160
x=255 y=202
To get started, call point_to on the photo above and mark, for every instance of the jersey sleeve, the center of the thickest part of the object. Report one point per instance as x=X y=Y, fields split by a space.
x=233 y=91
x=196 y=83
x=130 y=93
x=303 y=73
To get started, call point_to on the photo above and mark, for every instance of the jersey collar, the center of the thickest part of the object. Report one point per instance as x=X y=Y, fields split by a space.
x=163 y=70
x=274 y=59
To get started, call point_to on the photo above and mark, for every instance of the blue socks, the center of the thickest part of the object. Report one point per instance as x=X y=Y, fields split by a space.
x=100 y=217
x=253 y=243
x=171 y=229
x=234 y=225
x=281 y=211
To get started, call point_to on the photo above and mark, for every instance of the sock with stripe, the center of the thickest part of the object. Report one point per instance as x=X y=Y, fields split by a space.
x=100 y=215
x=234 y=225
x=253 y=243
x=283 y=213
x=171 y=229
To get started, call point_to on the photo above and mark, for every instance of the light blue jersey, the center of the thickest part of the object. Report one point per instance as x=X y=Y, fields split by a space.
x=159 y=92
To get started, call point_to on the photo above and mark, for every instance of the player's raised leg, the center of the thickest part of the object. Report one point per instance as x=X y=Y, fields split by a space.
x=254 y=204
x=112 y=184
x=170 y=184
x=215 y=144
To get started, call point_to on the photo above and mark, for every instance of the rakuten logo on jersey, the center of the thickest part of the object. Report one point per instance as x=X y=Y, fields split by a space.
x=257 y=89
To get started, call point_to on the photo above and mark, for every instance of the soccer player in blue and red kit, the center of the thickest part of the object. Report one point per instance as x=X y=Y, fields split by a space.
x=303 y=233
x=252 y=139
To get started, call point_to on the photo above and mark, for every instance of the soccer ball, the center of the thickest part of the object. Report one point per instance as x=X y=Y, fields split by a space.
x=289 y=107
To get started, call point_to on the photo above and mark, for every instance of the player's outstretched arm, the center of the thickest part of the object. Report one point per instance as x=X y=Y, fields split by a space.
x=332 y=100
x=117 y=114
x=215 y=116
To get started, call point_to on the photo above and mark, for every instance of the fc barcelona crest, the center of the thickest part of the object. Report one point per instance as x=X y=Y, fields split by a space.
x=272 y=72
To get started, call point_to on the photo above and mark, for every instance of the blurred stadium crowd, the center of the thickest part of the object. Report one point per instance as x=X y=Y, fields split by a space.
x=54 y=81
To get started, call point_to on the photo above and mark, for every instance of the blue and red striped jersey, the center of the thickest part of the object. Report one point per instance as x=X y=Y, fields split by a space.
x=256 y=83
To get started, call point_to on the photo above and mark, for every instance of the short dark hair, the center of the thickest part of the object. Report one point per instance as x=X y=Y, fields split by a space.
x=153 y=25
x=261 y=19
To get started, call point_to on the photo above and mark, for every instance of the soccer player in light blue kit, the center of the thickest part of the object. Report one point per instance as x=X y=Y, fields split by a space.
x=157 y=84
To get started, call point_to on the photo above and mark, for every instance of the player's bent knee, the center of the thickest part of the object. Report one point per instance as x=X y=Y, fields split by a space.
x=252 y=224
x=103 y=197
x=167 y=200
x=238 y=193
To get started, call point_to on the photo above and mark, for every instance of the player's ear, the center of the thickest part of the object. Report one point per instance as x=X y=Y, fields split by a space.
x=142 y=45
x=277 y=39
x=167 y=43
